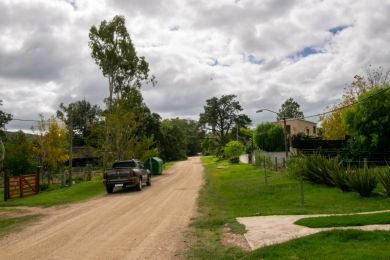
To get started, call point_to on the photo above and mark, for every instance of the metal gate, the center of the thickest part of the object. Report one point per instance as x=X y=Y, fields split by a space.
x=21 y=186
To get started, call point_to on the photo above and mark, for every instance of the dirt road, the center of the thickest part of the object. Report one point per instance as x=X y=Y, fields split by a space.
x=150 y=224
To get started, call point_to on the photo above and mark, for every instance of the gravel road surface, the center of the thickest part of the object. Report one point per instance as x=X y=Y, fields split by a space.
x=150 y=224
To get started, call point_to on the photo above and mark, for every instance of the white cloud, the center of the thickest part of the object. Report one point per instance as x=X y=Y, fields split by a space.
x=264 y=52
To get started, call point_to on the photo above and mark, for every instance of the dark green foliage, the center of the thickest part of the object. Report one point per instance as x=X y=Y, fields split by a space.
x=340 y=178
x=289 y=109
x=43 y=187
x=383 y=175
x=220 y=116
x=179 y=138
x=209 y=146
x=314 y=168
x=270 y=137
x=114 y=53
x=345 y=220
x=363 y=181
x=4 y=117
x=81 y=116
x=19 y=154
x=319 y=169
x=368 y=122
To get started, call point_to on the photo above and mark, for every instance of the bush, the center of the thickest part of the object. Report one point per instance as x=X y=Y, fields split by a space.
x=340 y=178
x=43 y=187
x=362 y=181
x=384 y=178
x=233 y=150
x=319 y=169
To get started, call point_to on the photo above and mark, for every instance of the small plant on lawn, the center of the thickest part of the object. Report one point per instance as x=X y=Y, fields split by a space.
x=314 y=168
x=384 y=178
x=363 y=181
x=340 y=177
x=319 y=169
x=233 y=150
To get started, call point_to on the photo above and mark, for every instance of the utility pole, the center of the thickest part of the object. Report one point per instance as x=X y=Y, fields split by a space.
x=285 y=136
x=2 y=155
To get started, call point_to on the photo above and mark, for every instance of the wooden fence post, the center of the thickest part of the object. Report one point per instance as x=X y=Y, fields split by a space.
x=365 y=163
x=5 y=186
x=37 y=183
x=21 y=185
x=276 y=164
x=265 y=172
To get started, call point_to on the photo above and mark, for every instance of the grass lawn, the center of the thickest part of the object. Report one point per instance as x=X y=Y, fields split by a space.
x=346 y=220
x=239 y=190
x=8 y=225
x=78 y=192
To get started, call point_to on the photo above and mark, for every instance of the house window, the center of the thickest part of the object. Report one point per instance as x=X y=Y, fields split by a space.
x=314 y=129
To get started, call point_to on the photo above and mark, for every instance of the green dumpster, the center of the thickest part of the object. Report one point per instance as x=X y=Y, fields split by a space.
x=154 y=164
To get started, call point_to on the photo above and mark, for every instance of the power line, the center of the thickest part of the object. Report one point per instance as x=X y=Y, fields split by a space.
x=24 y=120
x=354 y=103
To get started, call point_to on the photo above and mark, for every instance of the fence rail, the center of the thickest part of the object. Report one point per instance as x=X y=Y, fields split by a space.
x=21 y=186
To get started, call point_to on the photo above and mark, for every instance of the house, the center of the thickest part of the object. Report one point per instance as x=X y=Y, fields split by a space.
x=295 y=126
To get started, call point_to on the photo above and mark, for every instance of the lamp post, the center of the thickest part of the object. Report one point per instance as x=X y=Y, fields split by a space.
x=284 y=128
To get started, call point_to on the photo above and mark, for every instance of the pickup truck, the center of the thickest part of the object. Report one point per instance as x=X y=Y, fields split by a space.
x=124 y=174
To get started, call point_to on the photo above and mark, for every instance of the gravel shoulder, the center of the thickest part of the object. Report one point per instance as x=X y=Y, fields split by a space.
x=150 y=224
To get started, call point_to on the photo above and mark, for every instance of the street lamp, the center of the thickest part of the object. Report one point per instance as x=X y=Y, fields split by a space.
x=284 y=128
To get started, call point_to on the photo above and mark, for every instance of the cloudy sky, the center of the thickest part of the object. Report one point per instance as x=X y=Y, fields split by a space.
x=263 y=51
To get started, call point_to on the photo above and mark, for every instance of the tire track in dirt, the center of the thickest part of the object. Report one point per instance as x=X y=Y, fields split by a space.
x=125 y=225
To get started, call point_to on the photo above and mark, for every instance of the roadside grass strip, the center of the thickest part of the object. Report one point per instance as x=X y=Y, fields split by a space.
x=235 y=191
x=76 y=193
x=337 y=244
x=8 y=225
x=345 y=220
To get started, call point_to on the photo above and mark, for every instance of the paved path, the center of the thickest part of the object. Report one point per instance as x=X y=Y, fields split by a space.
x=268 y=230
x=150 y=224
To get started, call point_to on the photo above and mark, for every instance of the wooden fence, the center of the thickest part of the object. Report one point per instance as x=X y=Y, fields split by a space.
x=21 y=186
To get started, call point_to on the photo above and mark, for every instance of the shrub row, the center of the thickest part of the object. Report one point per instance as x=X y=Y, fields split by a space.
x=321 y=170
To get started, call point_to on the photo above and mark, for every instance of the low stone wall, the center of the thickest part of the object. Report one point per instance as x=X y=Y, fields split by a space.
x=280 y=157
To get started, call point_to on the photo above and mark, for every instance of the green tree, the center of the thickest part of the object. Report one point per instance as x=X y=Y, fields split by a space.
x=113 y=51
x=221 y=115
x=289 y=109
x=19 y=157
x=233 y=150
x=332 y=124
x=173 y=146
x=125 y=128
x=368 y=122
x=80 y=115
x=50 y=145
x=4 y=118
x=269 y=137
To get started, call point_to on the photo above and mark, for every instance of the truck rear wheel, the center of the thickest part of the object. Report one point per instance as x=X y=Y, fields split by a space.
x=139 y=186
x=109 y=188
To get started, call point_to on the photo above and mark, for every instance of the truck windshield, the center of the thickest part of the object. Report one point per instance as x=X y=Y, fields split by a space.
x=129 y=164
